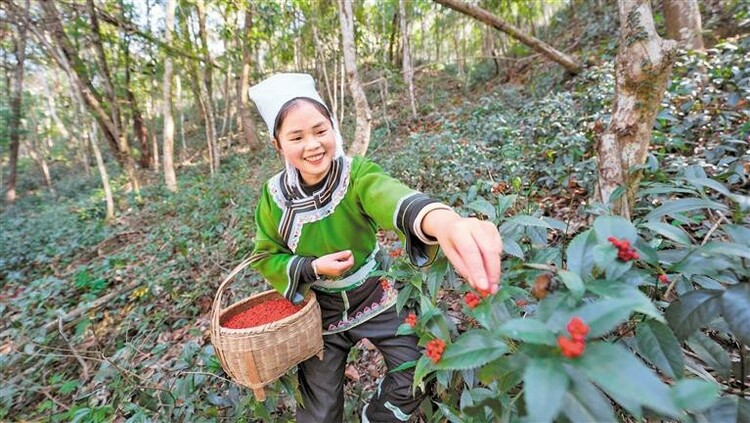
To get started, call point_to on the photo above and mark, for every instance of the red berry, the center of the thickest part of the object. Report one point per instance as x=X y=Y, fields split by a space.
x=471 y=300
x=577 y=328
x=411 y=320
x=570 y=348
x=663 y=279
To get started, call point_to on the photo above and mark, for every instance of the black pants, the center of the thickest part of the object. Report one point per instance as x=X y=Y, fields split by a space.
x=322 y=381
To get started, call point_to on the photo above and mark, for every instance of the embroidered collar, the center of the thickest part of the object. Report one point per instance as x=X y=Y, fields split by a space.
x=299 y=208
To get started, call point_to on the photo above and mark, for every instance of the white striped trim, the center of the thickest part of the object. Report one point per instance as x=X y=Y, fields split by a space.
x=397 y=411
x=357 y=277
x=417 y=228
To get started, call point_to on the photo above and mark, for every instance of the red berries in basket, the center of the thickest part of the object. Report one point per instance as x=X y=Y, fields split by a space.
x=263 y=313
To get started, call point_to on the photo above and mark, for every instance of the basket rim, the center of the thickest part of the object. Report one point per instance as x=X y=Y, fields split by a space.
x=311 y=302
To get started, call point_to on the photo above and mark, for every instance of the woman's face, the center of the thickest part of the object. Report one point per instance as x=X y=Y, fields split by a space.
x=307 y=141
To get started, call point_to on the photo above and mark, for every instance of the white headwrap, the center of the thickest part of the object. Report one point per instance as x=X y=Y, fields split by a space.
x=272 y=93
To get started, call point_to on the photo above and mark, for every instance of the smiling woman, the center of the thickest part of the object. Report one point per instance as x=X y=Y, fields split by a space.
x=304 y=134
x=317 y=222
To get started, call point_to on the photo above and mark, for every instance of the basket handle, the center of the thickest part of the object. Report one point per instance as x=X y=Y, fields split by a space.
x=216 y=311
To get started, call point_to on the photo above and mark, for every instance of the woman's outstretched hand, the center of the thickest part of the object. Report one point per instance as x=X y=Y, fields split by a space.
x=334 y=264
x=473 y=246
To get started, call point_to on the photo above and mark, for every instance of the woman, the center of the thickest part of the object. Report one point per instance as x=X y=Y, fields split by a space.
x=318 y=219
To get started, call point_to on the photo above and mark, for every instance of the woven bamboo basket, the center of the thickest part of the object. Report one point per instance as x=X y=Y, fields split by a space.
x=257 y=356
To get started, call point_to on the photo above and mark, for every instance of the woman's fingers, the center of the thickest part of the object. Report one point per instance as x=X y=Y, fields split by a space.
x=474 y=247
x=491 y=246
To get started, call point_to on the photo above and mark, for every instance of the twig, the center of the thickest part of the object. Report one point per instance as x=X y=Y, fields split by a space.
x=53 y=399
x=95 y=304
x=84 y=366
x=713 y=228
x=207 y=374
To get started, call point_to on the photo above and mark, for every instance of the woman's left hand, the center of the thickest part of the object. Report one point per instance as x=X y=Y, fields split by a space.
x=473 y=246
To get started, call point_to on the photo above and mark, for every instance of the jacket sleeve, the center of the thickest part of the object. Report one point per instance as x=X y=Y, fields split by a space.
x=288 y=273
x=394 y=206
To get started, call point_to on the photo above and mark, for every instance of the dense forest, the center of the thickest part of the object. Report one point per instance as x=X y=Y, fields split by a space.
x=607 y=140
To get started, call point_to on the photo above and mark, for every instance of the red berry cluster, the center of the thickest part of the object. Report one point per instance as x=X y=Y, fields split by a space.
x=411 y=320
x=472 y=300
x=384 y=284
x=396 y=252
x=624 y=251
x=663 y=279
x=522 y=303
x=435 y=350
x=573 y=347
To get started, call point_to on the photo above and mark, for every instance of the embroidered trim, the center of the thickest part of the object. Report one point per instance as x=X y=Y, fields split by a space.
x=293 y=272
x=299 y=209
x=397 y=412
x=352 y=281
x=387 y=300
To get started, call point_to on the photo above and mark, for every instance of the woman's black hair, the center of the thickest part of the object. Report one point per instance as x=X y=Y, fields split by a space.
x=289 y=105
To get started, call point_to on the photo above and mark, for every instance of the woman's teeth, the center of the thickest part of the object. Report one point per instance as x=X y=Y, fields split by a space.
x=315 y=158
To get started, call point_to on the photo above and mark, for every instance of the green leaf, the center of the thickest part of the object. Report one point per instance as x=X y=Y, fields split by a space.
x=404 y=366
x=472 y=349
x=526 y=220
x=735 y=304
x=604 y=316
x=617 y=289
x=578 y=253
x=730 y=409
x=573 y=282
x=658 y=345
x=626 y=379
x=605 y=257
x=404 y=329
x=710 y=183
x=711 y=353
x=695 y=395
x=616 y=226
x=69 y=386
x=738 y=234
x=666 y=230
x=584 y=402
x=528 y=330
x=692 y=311
x=504 y=202
x=726 y=248
x=673 y=207
x=511 y=247
x=482 y=206
x=545 y=383
x=423 y=367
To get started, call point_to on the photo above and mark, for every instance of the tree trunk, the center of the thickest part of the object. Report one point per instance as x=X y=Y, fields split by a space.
x=407 y=70
x=486 y=17
x=76 y=69
x=364 y=116
x=683 y=20
x=642 y=69
x=140 y=132
x=392 y=39
x=178 y=94
x=114 y=108
x=103 y=175
x=170 y=179
x=38 y=155
x=227 y=94
x=16 y=103
x=243 y=105
x=207 y=90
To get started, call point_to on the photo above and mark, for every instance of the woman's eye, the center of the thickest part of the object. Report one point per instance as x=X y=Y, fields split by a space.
x=323 y=132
